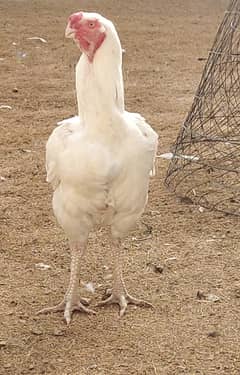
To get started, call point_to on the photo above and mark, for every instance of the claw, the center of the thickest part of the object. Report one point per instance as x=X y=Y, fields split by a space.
x=68 y=308
x=123 y=300
x=79 y=307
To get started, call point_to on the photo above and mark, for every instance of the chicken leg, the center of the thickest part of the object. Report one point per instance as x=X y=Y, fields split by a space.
x=72 y=301
x=119 y=294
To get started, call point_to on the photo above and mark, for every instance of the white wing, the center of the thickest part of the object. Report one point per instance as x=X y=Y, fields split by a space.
x=149 y=134
x=56 y=144
x=71 y=121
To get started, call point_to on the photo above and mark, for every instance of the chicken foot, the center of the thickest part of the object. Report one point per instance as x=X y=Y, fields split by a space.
x=72 y=301
x=119 y=294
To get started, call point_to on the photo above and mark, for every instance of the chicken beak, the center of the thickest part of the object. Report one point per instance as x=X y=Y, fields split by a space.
x=69 y=32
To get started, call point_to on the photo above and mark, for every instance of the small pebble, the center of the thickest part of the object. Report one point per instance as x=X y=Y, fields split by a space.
x=36 y=331
x=213 y=334
x=58 y=332
x=7 y=365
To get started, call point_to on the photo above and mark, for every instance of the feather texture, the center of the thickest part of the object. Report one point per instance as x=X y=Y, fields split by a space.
x=99 y=162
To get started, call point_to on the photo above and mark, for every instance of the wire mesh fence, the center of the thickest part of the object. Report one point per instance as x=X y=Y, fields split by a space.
x=205 y=164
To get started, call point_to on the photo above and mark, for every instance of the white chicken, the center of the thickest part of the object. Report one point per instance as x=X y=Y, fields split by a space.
x=99 y=162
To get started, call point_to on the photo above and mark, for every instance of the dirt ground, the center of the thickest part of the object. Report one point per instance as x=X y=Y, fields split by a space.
x=175 y=257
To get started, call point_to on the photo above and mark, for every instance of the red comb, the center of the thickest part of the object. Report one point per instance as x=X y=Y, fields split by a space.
x=75 y=18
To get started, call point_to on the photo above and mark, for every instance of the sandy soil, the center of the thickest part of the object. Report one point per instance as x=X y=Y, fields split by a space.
x=196 y=252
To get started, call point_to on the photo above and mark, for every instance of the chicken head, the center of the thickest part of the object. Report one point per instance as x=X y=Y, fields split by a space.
x=88 y=32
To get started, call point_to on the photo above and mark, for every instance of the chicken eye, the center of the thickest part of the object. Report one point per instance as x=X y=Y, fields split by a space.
x=91 y=24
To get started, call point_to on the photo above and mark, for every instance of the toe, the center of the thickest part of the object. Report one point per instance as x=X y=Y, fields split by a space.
x=78 y=307
x=56 y=308
x=82 y=308
x=107 y=301
x=123 y=300
x=138 y=302
x=67 y=316
x=123 y=306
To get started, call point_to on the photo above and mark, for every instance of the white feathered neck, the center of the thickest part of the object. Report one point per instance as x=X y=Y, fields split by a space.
x=99 y=85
